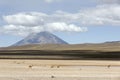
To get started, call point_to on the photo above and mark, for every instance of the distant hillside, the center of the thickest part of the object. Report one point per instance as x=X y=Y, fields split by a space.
x=40 y=38
x=102 y=51
x=97 y=47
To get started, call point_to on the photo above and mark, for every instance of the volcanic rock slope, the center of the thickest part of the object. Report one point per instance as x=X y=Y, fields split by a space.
x=40 y=38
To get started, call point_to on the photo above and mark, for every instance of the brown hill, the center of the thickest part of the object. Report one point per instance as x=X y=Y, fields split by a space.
x=103 y=51
x=98 y=47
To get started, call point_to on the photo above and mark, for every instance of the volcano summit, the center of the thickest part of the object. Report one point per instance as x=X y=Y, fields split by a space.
x=41 y=38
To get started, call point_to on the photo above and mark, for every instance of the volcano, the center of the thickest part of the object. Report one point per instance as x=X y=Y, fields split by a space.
x=40 y=38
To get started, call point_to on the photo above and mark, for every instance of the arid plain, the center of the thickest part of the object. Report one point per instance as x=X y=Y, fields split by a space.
x=60 y=62
x=59 y=70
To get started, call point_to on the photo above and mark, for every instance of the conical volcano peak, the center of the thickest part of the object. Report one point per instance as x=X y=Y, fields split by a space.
x=41 y=38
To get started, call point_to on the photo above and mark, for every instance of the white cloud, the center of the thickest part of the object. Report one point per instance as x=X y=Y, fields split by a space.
x=25 y=18
x=109 y=1
x=26 y=30
x=61 y=26
x=25 y=23
x=101 y=15
x=50 y=1
x=20 y=30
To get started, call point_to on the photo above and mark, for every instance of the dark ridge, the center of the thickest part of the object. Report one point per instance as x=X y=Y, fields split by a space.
x=60 y=55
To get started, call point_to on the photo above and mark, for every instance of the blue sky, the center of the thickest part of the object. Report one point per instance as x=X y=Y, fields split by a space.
x=75 y=21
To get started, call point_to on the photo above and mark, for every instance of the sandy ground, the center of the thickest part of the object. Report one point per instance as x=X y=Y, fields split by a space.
x=59 y=70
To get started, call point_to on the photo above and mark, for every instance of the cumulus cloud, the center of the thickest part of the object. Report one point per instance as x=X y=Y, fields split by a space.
x=61 y=26
x=109 y=1
x=26 y=30
x=30 y=19
x=50 y=1
x=101 y=15
x=33 y=22
x=26 y=23
x=20 y=30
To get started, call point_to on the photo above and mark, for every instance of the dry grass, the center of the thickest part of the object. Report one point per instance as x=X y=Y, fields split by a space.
x=56 y=51
x=99 y=47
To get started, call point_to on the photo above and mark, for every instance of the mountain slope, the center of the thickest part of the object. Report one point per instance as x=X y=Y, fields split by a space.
x=95 y=47
x=41 y=38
